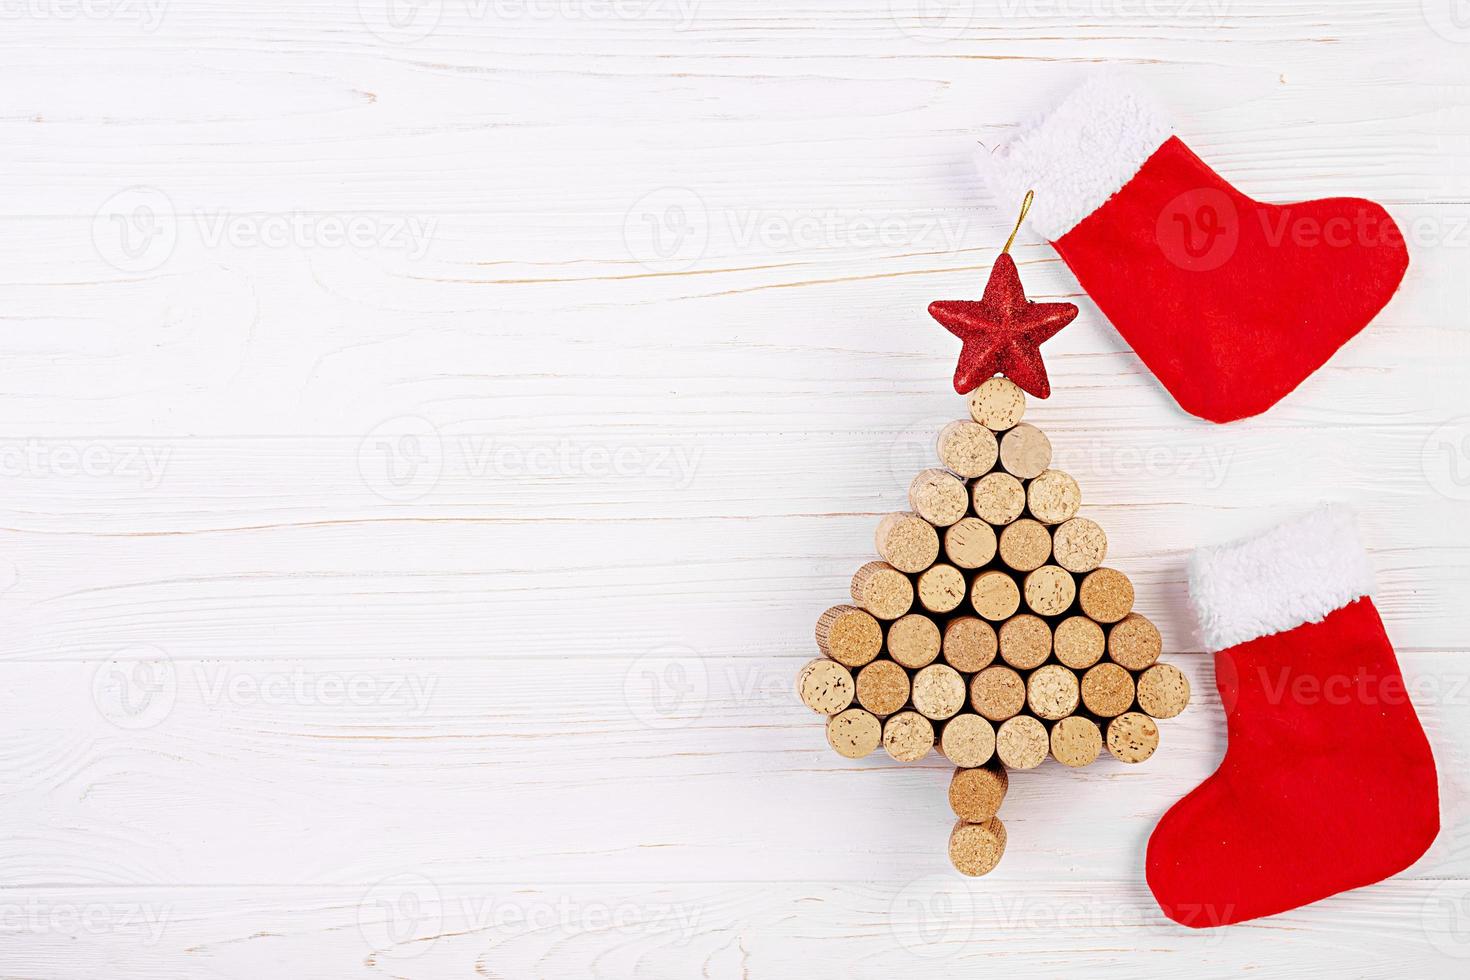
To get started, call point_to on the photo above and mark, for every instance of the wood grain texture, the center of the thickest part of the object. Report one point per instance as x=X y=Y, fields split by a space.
x=428 y=603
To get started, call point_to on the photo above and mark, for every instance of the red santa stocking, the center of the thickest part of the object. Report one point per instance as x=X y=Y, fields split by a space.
x=1328 y=782
x=1230 y=302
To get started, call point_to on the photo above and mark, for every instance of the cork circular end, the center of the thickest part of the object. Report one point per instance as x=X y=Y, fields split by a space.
x=997 y=693
x=849 y=635
x=1052 y=692
x=1132 y=737
x=1076 y=742
x=825 y=686
x=939 y=497
x=998 y=404
x=1079 y=642
x=998 y=498
x=1134 y=642
x=1106 y=595
x=1050 y=590
x=882 y=687
x=882 y=590
x=968 y=741
x=1021 y=742
x=1025 y=452
x=1053 y=497
x=1080 y=545
x=907 y=542
x=908 y=736
x=969 y=543
x=854 y=733
x=914 y=641
x=1025 y=545
x=976 y=794
x=994 y=596
x=976 y=848
x=939 y=692
x=941 y=588
x=968 y=448
x=1107 y=690
x=1163 y=691
x=970 y=644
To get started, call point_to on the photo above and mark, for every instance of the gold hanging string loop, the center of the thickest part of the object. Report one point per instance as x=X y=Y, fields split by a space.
x=1025 y=206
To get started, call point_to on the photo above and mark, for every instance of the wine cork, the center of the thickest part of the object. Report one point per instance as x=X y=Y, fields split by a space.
x=1076 y=741
x=939 y=497
x=1025 y=641
x=1053 y=497
x=1025 y=545
x=913 y=640
x=1052 y=692
x=908 y=736
x=939 y=692
x=1107 y=690
x=825 y=686
x=883 y=687
x=976 y=848
x=1050 y=590
x=854 y=733
x=1022 y=743
x=882 y=590
x=968 y=448
x=998 y=498
x=849 y=635
x=997 y=692
x=1106 y=595
x=967 y=741
x=995 y=596
x=1132 y=737
x=907 y=542
x=1079 y=642
x=969 y=542
x=997 y=404
x=941 y=588
x=1134 y=642
x=1025 y=452
x=976 y=794
x=1079 y=545
x=969 y=644
x=1163 y=691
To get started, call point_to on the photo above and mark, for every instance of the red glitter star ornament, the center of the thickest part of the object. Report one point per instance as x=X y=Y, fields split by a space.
x=1003 y=331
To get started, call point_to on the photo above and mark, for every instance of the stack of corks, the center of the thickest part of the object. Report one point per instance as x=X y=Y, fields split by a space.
x=990 y=629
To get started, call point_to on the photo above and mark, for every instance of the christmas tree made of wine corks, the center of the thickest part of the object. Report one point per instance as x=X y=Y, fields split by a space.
x=991 y=629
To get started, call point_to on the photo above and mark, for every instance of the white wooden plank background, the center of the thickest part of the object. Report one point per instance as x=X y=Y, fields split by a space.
x=426 y=604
